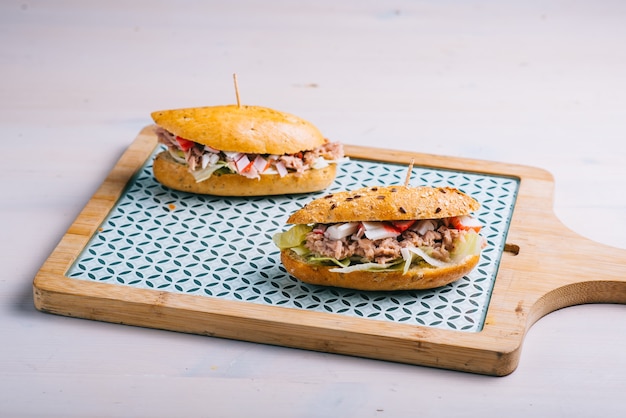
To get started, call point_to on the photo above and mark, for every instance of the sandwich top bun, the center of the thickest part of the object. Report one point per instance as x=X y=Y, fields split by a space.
x=247 y=129
x=386 y=203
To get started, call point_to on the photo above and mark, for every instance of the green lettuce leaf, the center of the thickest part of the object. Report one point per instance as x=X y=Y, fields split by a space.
x=293 y=237
x=470 y=244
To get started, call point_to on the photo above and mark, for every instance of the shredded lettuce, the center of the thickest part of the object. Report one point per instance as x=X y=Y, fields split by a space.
x=368 y=267
x=410 y=253
x=319 y=163
x=341 y=263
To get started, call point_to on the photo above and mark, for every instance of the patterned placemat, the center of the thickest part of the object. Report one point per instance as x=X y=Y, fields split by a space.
x=217 y=247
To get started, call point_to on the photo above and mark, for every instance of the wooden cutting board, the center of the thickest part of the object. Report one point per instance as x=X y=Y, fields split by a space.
x=542 y=266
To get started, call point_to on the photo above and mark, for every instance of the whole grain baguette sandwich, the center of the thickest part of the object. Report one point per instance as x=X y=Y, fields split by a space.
x=383 y=238
x=237 y=150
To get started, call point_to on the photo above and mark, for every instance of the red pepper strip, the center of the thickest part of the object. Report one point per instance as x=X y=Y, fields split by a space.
x=184 y=144
x=402 y=226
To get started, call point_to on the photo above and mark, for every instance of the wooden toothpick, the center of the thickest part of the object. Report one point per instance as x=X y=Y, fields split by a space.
x=409 y=172
x=236 y=90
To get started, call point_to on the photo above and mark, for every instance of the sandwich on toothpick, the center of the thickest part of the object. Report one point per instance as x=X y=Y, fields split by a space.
x=240 y=150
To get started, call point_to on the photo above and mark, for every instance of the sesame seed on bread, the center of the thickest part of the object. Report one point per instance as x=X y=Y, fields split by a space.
x=386 y=203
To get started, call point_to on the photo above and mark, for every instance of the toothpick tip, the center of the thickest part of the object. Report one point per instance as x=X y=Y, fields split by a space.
x=236 y=89
x=408 y=173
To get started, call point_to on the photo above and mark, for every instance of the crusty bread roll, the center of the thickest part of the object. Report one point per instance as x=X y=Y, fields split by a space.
x=386 y=203
x=417 y=278
x=176 y=176
x=250 y=131
x=388 y=207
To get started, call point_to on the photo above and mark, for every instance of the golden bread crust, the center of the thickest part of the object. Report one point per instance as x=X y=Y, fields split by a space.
x=415 y=279
x=386 y=203
x=248 y=129
x=176 y=176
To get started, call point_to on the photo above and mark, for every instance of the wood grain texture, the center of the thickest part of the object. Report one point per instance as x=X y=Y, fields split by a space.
x=551 y=268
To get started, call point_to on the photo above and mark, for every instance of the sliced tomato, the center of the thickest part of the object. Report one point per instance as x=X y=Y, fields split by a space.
x=402 y=226
x=465 y=223
x=184 y=144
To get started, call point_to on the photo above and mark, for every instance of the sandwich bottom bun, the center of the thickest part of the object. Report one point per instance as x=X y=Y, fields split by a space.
x=414 y=279
x=174 y=175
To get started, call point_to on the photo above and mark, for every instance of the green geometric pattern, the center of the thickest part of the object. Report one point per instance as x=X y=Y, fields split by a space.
x=221 y=247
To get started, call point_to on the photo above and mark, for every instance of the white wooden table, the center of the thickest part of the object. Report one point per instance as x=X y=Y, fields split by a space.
x=538 y=83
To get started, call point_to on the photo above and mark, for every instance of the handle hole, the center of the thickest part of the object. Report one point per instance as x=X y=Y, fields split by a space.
x=511 y=248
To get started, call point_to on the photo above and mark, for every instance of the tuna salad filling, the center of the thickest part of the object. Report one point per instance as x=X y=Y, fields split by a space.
x=393 y=245
x=204 y=161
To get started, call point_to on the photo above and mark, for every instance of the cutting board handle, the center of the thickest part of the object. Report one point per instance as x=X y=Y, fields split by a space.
x=573 y=270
